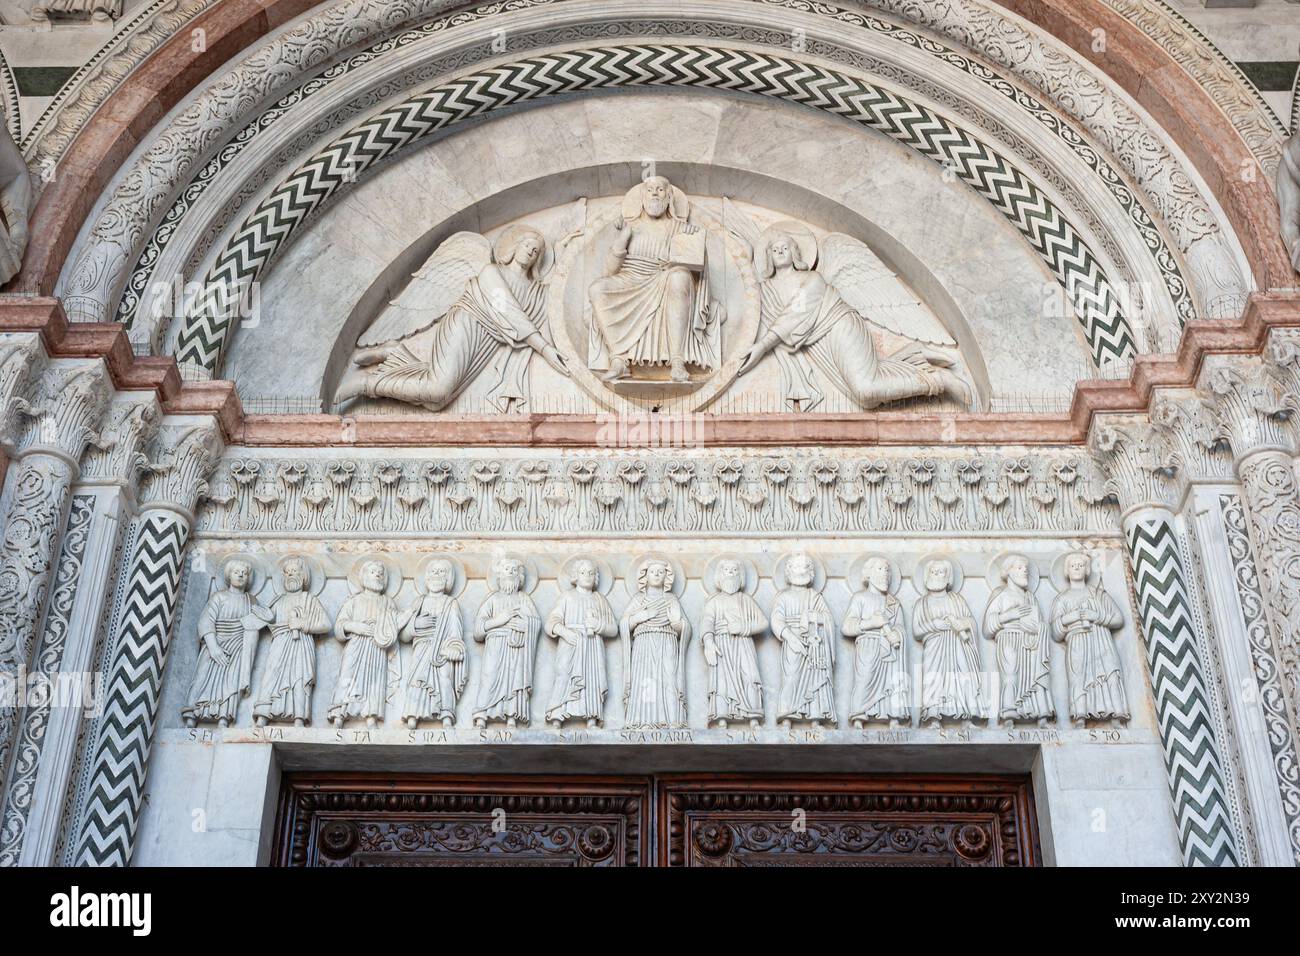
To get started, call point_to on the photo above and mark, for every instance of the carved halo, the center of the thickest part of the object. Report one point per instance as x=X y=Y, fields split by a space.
x=798 y=233
x=604 y=573
x=315 y=573
x=918 y=573
x=457 y=575
x=858 y=571
x=1058 y=570
x=503 y=247
x=530 y=572
x=634 y=571
x=633 y=202
x=749 y=584
x=996 y=575
x=256 y=577
x=392 y=582
x=819 y=571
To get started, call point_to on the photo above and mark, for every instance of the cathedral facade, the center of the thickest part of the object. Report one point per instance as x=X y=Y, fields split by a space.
x=601 y=433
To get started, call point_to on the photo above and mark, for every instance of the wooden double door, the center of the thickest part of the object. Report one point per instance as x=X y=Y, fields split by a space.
x=668 y=820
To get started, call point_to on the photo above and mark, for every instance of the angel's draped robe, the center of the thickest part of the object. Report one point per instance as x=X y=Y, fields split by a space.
x=229 y=617
x=490 y=323
x=655 y=696
x=815 y=324
x=435 y=682
x=291 y=664
x=369 y=660
x=506 y=681
x=630 y=307
x=950 y=662
x=1096 y=686
x=1022 y=656
x=880 y=679
x=730 y=622
x=807 y=675
x=580 y=684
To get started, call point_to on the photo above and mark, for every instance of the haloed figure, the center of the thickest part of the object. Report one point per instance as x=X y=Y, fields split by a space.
x=367 y=625
x=580 y=622
x=228 y=629
x=438 y=671
x=1013 y=621
x=802 y=621
x=655 y=632
x=1084 y=618
x=507 y=625
x=291 y=667
x=950 y=662
x=728 y=626
x=875 y=620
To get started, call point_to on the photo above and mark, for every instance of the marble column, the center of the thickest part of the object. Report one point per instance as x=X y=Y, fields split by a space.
x=1258 y=733
x=46 y=740
x=1142 y=469
x=122 y=739
x=63 y=412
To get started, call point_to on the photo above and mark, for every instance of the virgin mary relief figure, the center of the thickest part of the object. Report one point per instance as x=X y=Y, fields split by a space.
x=819 y=323
x=485 y=305
x=651 y=307
x=655 y=633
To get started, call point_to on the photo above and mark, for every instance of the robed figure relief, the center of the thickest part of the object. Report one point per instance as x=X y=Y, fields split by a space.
x=802 y=622
x=229 y=625
x=881 y=688
x=434 y=628
x=472 y=307
x=655 y=634
x=580 y=622
x=651 y=307
x=291 y=664
x=1084 y=618
x=819 y=308
x=950 y=662
x=1015 y=624
x=507 y=625
x=367 y=624
x=730 y=622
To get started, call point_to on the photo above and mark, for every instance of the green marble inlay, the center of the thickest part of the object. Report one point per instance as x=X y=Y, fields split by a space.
x=1270 y=76
x=41 y=80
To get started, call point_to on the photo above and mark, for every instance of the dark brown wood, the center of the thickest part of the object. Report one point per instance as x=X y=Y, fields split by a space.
x=680 y=820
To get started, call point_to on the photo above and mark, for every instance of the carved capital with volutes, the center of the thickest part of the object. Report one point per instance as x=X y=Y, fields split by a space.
x=130 y=425
x=184 y=453
x=1191 y=425
x=1253 y=404
x=22 y=360
x=66 y=410
x=1141 y=465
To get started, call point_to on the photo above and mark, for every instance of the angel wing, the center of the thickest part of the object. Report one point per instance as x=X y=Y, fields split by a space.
x=433 y=289
x=874 y=291
x=737 y=222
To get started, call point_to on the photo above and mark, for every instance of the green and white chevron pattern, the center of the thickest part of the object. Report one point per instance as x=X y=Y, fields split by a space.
x=1191 y=753
x=205 y=329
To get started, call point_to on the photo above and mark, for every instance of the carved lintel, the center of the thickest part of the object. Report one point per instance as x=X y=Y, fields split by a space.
x=119 y=457
x=1140 y=463
x=1193 y=428
x=1253 y=404
x=65 y=412
x=176 y=476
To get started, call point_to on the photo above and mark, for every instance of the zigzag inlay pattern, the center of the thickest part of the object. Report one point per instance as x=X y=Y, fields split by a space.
x=121 y=751
x=250 y=250
x=1191 y=752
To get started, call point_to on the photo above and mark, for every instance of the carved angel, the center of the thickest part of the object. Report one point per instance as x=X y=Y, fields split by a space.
x=469 y=306
x=15 y=204
x=819 y=321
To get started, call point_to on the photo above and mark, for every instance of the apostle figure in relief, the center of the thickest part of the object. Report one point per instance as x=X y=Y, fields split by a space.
x=880 y=678
x=580 y=621
x=1014 y=622
x=730 y=622
x=228 y=627
x=291 y=665
x=802 y=621
x=485 y=306
x=434 y=627
x=507 y=625
x=815 y=332
x=950 y=663
x=1084 y=618
x=368 y=626
x=655 y=633
x=651 y=306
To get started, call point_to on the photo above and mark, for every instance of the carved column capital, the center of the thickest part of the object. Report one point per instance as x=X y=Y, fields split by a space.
x=184 y=453
x=1139 y=460
x=1191 y=425
x=22 y=360
x=64 y=413
x=1252 y=403
x=129 y=427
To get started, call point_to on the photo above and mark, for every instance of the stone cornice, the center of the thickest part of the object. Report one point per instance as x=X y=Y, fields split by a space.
x=1249 y=335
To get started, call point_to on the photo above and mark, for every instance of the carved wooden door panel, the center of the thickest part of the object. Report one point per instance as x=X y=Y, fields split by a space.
x=846 y=821
x=463 y=821
x=689 y=820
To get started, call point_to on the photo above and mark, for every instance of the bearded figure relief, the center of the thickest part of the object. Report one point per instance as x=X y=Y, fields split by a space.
x=819 y=310
x=651 y=307
x=473 y=307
